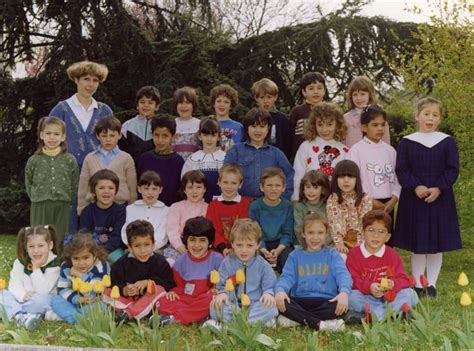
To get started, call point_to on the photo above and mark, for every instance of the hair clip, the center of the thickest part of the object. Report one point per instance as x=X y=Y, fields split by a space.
x=46 y=226
x=374 y=107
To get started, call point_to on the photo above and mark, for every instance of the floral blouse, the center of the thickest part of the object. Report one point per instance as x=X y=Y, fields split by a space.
x=345 y=216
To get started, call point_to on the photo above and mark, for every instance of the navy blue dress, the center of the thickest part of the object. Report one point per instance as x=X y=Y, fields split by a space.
x=421 y=227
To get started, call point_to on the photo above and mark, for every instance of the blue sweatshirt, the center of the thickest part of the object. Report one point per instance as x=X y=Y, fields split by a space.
x=260 y=277
x=276 y=221
x=320 y=273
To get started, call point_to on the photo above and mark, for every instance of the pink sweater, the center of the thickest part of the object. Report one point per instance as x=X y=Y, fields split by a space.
x=178 y=214
x=354 y=133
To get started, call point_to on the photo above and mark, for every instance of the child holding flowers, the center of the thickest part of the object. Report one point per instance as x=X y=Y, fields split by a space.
x=84 y=265
x=316 y=279
x=33 y=277
x=189 y=301
x=253 y=275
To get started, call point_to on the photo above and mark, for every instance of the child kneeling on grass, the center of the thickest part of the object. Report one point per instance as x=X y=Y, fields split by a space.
x=316 y=279
x=189 y=301
x=377 y=271
x=255 y=290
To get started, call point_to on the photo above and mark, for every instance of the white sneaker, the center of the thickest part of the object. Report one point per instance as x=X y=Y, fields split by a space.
x=285 y=322
x=51 y=316
x=332 y=325
x=272 y=323
x=212 y=323
x=28 y=320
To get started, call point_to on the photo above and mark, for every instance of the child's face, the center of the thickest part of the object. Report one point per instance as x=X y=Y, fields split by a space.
x=38 y=248
x=346 y=183
x=52 y=136
x=209 y=142
x=258 y=133
x=162 y=138
x=244 y=249
x=360 y=98
x=198 y=246
x=147 y=107
x=185 y=109
x=109 y=139
x=87 y=85
x=142 y=247
x=272 y=188
x=194 y=191
x=375 y=236
x=266 y=101
x=150 y=193
x=230 y=184
x=312 y=192
x=326 y=128
x=83 y=260
x=314 y=92
x=222 y=106
x=375 y=129
x=429 y=118
x=105 y=193
x=314 y=235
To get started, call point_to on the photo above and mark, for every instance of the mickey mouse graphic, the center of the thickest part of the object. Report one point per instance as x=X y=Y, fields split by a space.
x=326 y=158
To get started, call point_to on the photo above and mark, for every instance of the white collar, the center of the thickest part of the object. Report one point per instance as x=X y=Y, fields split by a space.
x=76 y=102
x=427 y=139
x=368 y=141
x=367 y=254
x=237 y=198
x=158 y=203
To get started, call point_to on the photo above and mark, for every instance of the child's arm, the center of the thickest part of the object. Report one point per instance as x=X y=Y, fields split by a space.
x=354 y=265
x=163 y=275
x=398 y=277
x=131 y=178
x=404 y=168
x=268 y=284
x=74 y=176
x=15 y=286
x=173 y=227
x=45 y=282
x=118 y=277
x=282 y=162
x=287 y=230
x=451 y=169
x=117 y=222
x=231 y=156
x=29 y=172
x=65 y=287
x=300 y=165
x=336 y=222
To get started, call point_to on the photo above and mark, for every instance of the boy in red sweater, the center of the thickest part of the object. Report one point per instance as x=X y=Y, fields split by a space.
x=228 y=207
x=377 y=270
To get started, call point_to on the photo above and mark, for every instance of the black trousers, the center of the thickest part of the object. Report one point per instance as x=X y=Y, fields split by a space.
x=310 y=310
x=282 y=257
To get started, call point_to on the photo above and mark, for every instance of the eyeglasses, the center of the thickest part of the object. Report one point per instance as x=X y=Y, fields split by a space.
x=373 y=231
x=373 y=108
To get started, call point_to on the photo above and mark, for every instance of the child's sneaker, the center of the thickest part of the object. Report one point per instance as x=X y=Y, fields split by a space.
x=285 y=322
x=332 y=325
x=29 y=320
x=51 y=316
x=272 y=323
x=167 y=320
x=353 y=317
x=212 y=323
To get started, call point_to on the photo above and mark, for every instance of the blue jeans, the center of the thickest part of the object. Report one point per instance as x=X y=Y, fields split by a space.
x=39 y=303
x=357 y=301
x=257 y=312
x=68 y=311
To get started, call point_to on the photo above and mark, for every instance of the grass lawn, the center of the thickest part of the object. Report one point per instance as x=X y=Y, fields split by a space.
x=407 y=336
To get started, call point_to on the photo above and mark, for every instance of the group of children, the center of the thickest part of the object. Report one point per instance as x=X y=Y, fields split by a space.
x=237 y=215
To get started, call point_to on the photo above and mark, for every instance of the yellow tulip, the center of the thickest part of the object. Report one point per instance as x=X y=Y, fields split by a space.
x=3 y=284
x=462 y=280
x=86 y=288
x=229 y=285
x=76 y=284
x=106 y=281
x=98 y=287
x=115 y=293
x=465 y=299
x=215 y=277
x=384 y=283
x=239 y=276
x=244 y=298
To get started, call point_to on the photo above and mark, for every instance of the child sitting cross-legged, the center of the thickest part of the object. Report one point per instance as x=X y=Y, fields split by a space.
x=256 y=289
x=377 y=270
x=189 y=301
x=314 y=287
x=142 y=276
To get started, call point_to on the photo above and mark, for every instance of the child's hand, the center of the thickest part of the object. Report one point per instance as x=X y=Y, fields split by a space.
x=267 y=254
x=87 y=299
x=182 y=249
x=376 y=290
x=280 y=299
x=28 y=295
x=141 y=286
x=268 y=300
x=342 y=303
x=433 y=194
x=341 y=248
x=38 y=264
x=75 y=273
x=226 y=252
x=172 y=296
x=130 y=290
x=218 y=300
x=421 y=191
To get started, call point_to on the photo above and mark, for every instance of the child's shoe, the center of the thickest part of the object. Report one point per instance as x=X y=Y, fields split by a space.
x=29 y=320
x=285 y=322
x=212 y=323
x=167 y=320
x=272 y=323
x=332 y=325
x=353 y=317
x=51 y=316
x=431 y=291
x=122 y=317
x=420 y=292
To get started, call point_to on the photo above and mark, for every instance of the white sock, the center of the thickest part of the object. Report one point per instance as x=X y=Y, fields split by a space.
x=433 y=267
x=418 y=267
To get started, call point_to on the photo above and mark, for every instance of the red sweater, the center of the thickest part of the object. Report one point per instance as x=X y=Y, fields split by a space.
x=365 y=271
x=223 y=215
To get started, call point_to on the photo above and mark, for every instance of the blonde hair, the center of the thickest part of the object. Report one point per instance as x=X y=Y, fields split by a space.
x=361 y=83
x=246 y=229
x=25 y=233
x=45 y=121
x=82 y=68
x=311 y=218
x=233 y=168
x=271 y=172
x=428 y=101
x=264 y=86
x=326 y=111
